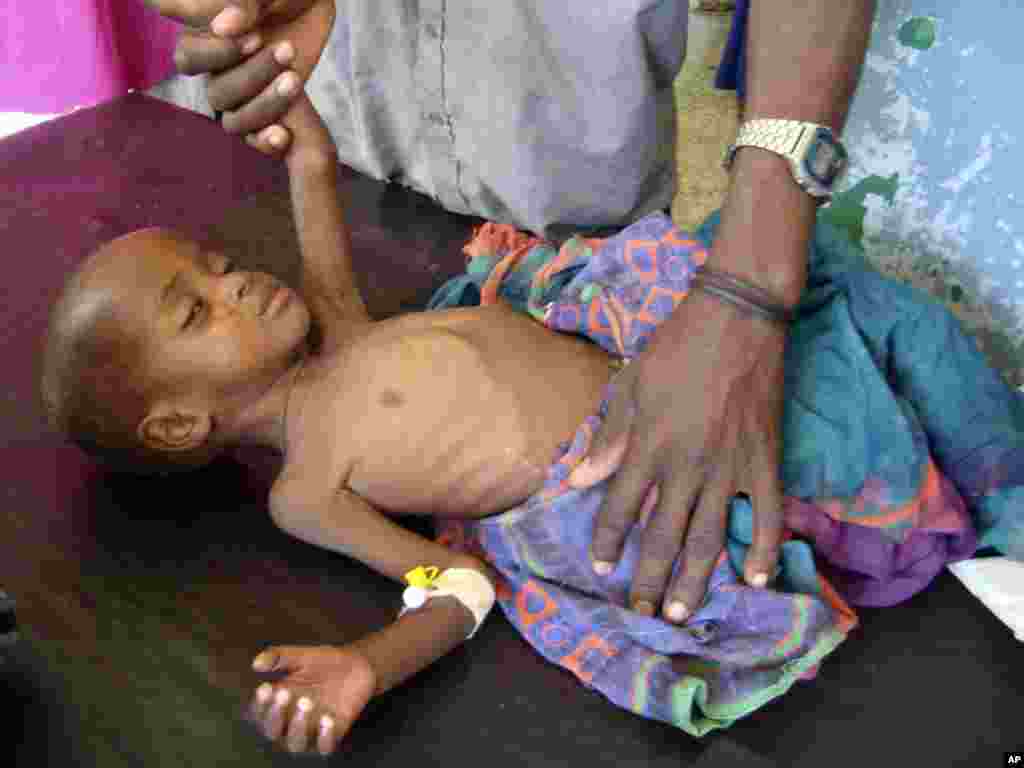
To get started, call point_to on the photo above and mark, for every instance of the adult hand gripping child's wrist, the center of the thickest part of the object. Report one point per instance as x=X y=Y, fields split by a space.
x=303 y=140
x=237 y=43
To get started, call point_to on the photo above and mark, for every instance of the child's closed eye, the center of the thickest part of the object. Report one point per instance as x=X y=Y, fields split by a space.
x=194 y=313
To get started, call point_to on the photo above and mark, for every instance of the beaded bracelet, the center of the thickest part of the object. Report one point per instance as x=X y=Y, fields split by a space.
x=742 y=294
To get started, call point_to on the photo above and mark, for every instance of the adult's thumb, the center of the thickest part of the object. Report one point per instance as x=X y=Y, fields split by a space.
x=609 y=445
x=600 y=464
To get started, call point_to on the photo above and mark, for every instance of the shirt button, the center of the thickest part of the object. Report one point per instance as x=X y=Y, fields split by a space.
x=432 y=31
x=436 y=118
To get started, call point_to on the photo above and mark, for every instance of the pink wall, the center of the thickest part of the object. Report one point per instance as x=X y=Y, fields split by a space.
x=59 y=54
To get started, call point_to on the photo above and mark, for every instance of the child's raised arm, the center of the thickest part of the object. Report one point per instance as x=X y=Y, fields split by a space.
x=328 y=284
x=338 y=681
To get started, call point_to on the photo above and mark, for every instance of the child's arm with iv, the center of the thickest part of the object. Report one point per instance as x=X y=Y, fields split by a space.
x=327 y=687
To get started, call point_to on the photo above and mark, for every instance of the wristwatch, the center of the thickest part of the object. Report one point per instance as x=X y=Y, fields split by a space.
x=816 y=157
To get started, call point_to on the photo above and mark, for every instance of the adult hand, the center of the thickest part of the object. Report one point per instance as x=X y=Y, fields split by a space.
x=695 y=419
x=238 y=43
x=323 y=691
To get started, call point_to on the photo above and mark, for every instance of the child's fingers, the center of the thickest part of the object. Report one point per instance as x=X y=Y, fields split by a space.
x=297 y=735
x=327 y=735
x=275 y=717
x=304 y=731
x=272 y=140
x=261 y=699
x=277 y=136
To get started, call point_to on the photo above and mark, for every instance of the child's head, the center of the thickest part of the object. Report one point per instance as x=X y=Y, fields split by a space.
x=158 y=349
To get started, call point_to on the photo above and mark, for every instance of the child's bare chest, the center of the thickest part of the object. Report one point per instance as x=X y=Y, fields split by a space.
x=461 y=416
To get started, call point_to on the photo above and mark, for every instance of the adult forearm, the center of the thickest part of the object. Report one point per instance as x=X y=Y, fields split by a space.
x=803 y=63
x=804 y=58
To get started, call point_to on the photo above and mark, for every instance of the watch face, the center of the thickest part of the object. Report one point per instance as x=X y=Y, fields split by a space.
x=825 y=160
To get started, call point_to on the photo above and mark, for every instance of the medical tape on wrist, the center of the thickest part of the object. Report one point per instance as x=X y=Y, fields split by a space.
x=468 y=586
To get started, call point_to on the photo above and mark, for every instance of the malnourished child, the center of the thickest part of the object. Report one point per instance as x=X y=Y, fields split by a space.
x=162 y=353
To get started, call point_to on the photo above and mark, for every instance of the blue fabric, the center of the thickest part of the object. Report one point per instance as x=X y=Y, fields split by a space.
x=970 y=420
x=732 y=72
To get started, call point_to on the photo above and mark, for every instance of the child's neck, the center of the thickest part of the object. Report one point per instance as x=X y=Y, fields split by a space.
x=264 y=423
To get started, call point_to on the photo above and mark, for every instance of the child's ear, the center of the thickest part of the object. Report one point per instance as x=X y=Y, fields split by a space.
x=175 y=428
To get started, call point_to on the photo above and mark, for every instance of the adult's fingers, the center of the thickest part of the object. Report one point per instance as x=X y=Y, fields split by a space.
x=622 y=504
x=231 y=17
x=242 y=83
x=608 y=447
x=768 y=513
x=236 y=18
x=702 y=546
x=661 y=541
x=265 y=109
x=199 y=52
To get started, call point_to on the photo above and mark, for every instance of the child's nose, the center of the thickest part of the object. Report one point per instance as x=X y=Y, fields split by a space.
x=243 y=288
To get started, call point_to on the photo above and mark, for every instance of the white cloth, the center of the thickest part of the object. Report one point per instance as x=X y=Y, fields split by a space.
x=999 y=583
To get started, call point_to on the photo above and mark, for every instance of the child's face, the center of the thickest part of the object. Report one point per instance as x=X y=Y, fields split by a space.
x=206 y=328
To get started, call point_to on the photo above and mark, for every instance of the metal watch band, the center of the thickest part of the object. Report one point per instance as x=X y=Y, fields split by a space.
x=817 y=159
x=779 y=136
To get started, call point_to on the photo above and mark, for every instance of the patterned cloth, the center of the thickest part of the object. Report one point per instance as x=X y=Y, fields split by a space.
x=902 y=450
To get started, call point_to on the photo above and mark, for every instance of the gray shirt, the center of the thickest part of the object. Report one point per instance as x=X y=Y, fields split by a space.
x=553 y=115
x=556 y=116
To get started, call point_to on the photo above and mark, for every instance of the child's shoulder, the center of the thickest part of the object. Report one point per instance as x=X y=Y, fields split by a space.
x=306 y=484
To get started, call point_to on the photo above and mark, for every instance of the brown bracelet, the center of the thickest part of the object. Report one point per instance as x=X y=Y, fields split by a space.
x=742 y=294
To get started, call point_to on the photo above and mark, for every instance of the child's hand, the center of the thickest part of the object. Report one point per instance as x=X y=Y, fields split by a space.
x=301 y=137
x=313 y=706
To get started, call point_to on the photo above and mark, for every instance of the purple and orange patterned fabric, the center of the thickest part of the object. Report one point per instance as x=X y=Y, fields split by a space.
x=902 y=450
